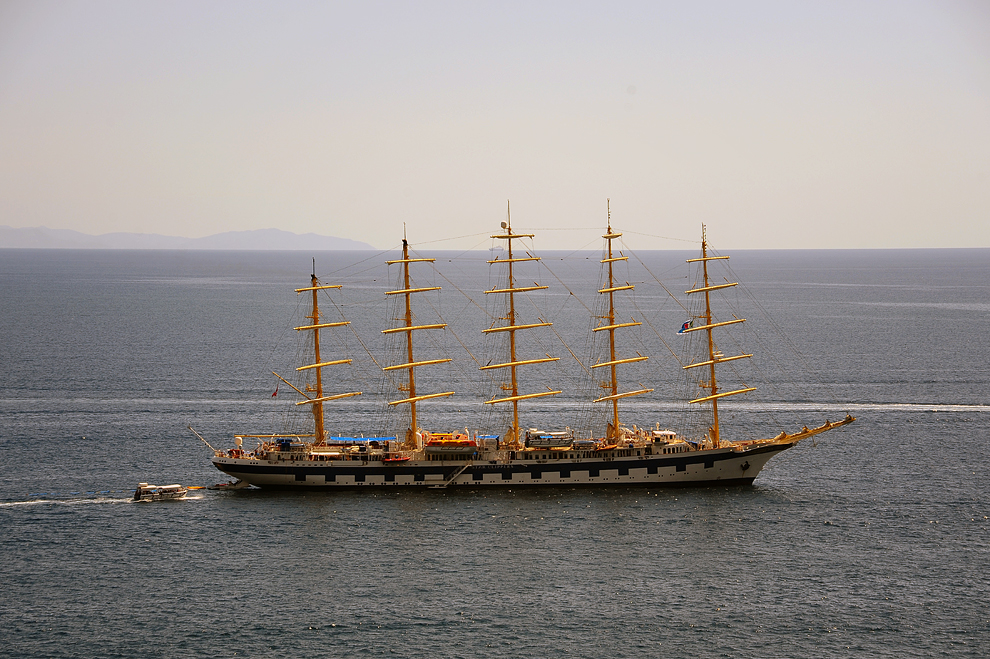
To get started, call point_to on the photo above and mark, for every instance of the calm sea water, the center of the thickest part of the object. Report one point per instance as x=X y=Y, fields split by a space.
x=872 y=541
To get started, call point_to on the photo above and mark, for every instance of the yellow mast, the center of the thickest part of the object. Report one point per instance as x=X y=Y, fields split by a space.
x=512 y=440
x=315 y=327
x=714 y=357
x=317 y=407
x=612 y=431
x=407 y=291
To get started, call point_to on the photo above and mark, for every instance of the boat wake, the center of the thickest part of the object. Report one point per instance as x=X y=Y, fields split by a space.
x=64 y=502
x=830 y=408
x=915 y=407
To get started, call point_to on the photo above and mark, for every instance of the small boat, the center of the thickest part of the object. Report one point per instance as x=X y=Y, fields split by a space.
x=148 y=492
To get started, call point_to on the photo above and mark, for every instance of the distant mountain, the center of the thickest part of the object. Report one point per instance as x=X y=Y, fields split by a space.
x=259 y=239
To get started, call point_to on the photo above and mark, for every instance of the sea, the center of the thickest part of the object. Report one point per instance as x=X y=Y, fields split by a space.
x=870 y=540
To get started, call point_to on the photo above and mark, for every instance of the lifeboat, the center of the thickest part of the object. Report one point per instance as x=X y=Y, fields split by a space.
x=450 y=444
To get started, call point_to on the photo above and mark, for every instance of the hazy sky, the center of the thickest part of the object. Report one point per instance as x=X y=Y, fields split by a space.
x=779 y=124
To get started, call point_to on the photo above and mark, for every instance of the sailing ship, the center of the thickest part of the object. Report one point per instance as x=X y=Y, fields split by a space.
x=620 y=455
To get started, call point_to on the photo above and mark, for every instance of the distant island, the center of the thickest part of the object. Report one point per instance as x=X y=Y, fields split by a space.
x=259 y=239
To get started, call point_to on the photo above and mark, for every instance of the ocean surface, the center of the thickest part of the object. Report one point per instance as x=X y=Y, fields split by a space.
x=870 y=541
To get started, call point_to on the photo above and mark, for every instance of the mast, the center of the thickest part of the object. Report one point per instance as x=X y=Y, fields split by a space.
x=612 y=430
x=407 y=291
x=512 y=327
x=714 y=355
x=315 y=327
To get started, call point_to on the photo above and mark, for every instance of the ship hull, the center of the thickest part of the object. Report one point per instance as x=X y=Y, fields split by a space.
x=720 y=466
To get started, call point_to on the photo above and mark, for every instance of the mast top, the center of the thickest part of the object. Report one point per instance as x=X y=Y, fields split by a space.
x=609 y=235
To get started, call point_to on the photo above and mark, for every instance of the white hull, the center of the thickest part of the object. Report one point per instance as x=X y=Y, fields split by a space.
x=726 y=465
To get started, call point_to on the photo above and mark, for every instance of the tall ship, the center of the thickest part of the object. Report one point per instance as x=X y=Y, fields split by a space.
x=517 y=455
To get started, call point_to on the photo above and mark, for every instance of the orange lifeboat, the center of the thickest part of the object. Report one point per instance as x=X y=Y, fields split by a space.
x=449 y=443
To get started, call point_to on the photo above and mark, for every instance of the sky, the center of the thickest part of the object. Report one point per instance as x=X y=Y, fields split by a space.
x=779 y=125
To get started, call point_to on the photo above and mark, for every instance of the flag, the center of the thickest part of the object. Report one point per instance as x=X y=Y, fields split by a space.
x=685 y=327
x=275 y=393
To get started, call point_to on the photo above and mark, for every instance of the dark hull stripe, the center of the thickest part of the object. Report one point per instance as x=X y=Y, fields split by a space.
x=732 y=482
